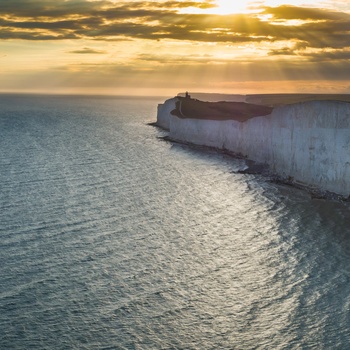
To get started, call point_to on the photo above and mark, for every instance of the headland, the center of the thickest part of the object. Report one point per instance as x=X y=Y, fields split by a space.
x=303 y=139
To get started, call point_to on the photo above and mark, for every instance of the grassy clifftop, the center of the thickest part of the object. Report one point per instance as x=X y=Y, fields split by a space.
x=240 y=111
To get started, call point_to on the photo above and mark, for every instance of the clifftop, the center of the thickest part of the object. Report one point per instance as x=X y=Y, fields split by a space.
x=240 y=111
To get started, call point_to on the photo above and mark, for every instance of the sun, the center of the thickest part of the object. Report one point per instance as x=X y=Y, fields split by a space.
x=226 y=7
x=223 y=7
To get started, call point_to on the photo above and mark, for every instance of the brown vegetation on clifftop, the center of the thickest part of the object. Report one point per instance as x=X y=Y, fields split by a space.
x=240 y=111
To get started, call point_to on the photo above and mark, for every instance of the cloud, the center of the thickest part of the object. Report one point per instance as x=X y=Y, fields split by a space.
x=88 y=50
x=283 y=51
x=49 y=8
x=162 y=20
x=287 y=12
x=332 y=56
x=33 y=35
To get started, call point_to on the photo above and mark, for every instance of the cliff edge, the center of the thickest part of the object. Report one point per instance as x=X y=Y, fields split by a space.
x=308 y=142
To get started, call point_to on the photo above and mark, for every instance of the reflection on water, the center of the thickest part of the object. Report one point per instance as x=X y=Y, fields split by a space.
x=113 y=239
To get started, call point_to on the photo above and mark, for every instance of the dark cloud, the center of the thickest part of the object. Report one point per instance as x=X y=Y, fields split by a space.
x=49 y=8
x=287 y=12
x=283 y=51
x=55 y=25
x=152 y=20
x=333 y=56
x=316 y=56
x=179 y=4
x=88 y=50
x=24 y=35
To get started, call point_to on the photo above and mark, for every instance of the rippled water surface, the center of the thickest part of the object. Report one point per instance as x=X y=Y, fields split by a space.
x=113 y=239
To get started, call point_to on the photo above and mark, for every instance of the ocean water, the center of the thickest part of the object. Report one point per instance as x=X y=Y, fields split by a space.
x=111 y=238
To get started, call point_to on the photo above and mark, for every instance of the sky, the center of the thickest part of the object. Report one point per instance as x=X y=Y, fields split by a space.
x=165 y=47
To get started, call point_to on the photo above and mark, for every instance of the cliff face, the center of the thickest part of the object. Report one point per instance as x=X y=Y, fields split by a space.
x=308 y=141
x=163 y=113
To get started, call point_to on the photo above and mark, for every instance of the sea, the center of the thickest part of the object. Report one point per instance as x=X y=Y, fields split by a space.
x=112 y=238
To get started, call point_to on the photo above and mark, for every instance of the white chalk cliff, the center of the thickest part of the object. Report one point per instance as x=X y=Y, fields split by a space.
x=308 y=141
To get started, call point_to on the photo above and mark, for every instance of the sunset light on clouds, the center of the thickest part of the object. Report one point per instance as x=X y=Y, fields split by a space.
x=163 y=47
